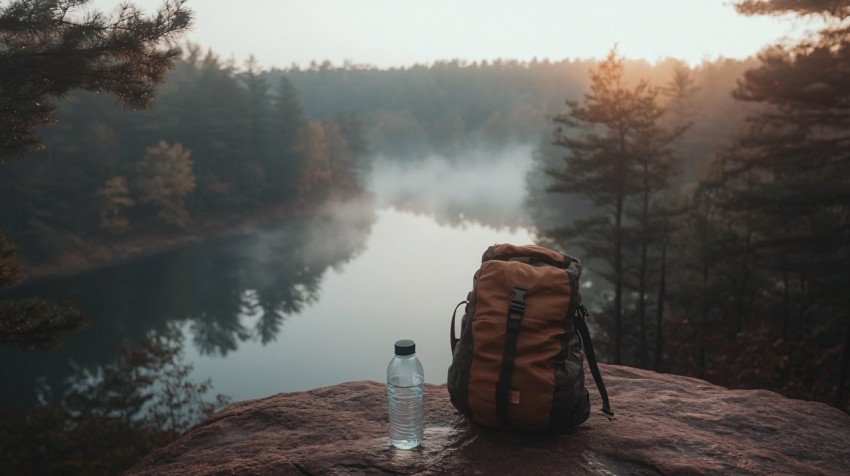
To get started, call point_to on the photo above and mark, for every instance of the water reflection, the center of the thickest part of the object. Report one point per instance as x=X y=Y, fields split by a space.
x=215 y=289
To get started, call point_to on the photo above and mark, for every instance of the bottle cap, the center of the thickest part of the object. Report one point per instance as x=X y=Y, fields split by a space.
x=405 y=347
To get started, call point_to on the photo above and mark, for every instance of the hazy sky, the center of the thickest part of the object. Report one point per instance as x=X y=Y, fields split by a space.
x=389 y=33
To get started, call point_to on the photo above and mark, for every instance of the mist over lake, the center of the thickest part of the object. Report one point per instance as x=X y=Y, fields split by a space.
x=346 y=284
x=193 y=214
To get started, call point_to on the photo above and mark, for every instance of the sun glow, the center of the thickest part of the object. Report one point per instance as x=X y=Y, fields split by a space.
x=388 y=33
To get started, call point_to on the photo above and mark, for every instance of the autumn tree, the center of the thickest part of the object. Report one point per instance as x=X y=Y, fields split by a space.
x=164 y=179
x=48 y=48
x=114 y=199
x=311 y=147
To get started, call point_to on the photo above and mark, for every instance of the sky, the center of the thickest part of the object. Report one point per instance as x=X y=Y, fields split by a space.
x=394 y=33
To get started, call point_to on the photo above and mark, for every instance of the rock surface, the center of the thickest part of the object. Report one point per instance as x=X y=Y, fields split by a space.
x=664 y=424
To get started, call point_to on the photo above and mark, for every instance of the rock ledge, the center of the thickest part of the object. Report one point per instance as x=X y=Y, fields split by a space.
x=665 y=424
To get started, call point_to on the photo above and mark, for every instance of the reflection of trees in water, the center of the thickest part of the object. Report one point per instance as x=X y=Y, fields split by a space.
x=106 y=419
x=229 y=291
x=272 y=275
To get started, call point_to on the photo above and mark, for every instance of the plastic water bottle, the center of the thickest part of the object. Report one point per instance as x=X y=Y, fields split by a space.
x=404 y=392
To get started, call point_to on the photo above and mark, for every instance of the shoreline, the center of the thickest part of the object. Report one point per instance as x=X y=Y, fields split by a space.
x=106 y=253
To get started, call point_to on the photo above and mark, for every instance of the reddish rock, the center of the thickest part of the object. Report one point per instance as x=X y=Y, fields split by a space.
x=665 y=424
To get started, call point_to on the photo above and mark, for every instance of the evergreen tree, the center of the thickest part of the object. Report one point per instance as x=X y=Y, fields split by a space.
x=47 y=48
x=52 y=46
x=351 y=128
x=606 y=139
x=797 y=188
x=252 y=180
x=654 y=165
x=287 y=119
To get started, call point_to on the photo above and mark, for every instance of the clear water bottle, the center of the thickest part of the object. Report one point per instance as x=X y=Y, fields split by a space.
x=405 y=394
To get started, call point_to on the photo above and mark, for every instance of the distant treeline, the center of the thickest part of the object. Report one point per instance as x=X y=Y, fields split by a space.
x=223 y=139
x=220 y=142
x=448 y=107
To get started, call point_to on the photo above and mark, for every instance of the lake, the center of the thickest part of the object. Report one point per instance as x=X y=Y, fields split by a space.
x=306 y=303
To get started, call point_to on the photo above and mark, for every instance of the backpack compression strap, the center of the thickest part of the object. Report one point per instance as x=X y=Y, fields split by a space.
x=516 y=309
x=581 y=323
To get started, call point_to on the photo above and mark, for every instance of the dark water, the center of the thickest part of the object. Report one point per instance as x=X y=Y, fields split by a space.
x=303 y=304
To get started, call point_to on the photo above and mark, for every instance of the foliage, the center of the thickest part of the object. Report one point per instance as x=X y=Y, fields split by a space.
x=115 y=197
x=784 y=182
x=205 y=108
x=47 y=48
x=758 y=262
x=755 y=241
x=164 y=178
x=832 y=8
x=617 y=151
x=50 y=47
x=32 y=322
x=111 y=417
x=10 y=267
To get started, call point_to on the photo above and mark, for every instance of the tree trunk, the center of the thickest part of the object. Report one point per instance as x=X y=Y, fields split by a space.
x=742 y=289
x=659 y=314
x=705 y=296
x=618 y=281
x=786 y=298
x=804 y=318
x=843 y=367
x=643 y=258
x=642 y=306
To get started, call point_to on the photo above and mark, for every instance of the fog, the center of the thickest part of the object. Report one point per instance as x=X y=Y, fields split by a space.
x=401 y=259
x=482 y=187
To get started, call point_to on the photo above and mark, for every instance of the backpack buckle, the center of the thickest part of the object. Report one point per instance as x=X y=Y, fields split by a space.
x=516 y=308
x=517 y=302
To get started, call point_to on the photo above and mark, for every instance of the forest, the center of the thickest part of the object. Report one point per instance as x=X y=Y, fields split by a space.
x=130 y=173
x=709 y=203
x=280 y=136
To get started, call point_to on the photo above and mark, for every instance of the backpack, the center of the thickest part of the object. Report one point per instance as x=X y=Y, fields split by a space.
x=518 y=363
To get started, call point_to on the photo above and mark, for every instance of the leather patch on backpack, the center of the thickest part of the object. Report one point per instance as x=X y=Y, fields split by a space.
x=513 y=397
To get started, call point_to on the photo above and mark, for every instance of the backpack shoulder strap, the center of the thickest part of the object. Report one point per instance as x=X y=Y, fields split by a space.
x=581 y=324
x=452 y=338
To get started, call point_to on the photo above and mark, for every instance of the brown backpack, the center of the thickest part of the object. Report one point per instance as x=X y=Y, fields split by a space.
x=519 y=361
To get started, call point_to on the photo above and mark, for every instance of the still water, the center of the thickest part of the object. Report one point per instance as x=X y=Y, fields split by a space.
x=301 y=304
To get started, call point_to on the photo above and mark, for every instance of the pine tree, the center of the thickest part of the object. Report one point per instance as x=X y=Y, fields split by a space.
x=287 y=119
x=654 y=165
x=253 y=179
x=47 y=48
x=789 y=175
x=609 y=136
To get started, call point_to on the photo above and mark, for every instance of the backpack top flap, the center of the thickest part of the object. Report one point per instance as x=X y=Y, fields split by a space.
x=528 y=254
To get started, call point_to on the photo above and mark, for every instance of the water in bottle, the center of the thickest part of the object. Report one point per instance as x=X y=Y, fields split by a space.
x=405 y=379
